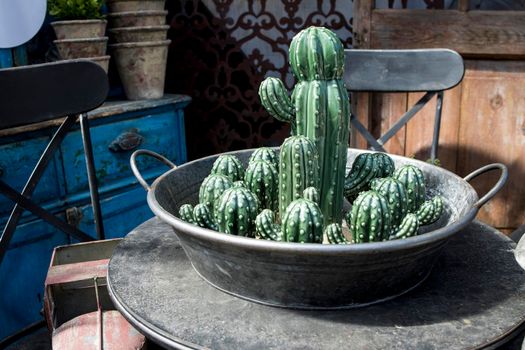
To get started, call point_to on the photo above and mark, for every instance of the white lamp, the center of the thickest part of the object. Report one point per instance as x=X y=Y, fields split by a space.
x=20 y=20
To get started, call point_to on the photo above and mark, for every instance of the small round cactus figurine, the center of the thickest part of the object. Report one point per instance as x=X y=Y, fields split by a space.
x=334 y=234
x=414 y=181
x=407 y=228
x=186 y=213
x=265 y=153
x=228 y=166
x=369 y=219
x=212 y=187
x=235 y=211
x=430 y=211
x=262 y=179
x=395 y=195
x=303 y=222
x=266 y=227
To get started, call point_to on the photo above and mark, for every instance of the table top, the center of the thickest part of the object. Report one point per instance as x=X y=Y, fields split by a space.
x=474 y=298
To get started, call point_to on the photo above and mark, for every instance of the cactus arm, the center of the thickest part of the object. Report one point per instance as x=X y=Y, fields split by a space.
x=186 y=213
x=407 y=228
x=265 y=226
x=334 y=234
x=276 y=101
x=203 y=217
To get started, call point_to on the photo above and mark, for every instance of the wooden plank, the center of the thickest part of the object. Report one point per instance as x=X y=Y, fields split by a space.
x=493 y=130
x=361 y=107
x=495 y=34
x=420 y=129
x=386 y=110
x=6 y=58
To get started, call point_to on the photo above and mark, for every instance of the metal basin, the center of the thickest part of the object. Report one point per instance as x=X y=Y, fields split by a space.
x=313 y=276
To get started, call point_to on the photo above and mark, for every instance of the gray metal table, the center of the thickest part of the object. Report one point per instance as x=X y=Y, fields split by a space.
x=474 y=298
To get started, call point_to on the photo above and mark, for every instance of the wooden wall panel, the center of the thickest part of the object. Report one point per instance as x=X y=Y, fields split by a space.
x=386 y=110
x=492 y=129
x=420 y=129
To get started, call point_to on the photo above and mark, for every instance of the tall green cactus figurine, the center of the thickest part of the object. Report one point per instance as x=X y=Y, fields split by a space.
x=298 y=169
x=318 y=108
x=229 y=166
x=262 y=179
x=303 y=221
x=235 y=211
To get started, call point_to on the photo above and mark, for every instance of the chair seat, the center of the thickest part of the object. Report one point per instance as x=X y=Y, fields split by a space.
x=82 y=333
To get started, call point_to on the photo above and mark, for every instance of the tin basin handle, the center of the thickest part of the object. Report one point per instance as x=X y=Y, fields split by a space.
x=145 y=152
x=501 y=181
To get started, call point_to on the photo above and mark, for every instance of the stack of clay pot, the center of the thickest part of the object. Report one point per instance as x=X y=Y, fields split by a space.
x=139 y=46
x=82 y=39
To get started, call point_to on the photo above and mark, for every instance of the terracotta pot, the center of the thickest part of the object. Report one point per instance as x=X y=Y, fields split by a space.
x=78 y=29
x=135 y=5
x=137 y=18
x=142 y=68
x=102 y=61
x=81 y=48
x=136 y=34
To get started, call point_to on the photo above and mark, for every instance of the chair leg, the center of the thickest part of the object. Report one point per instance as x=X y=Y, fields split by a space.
x=437 y=127
x=92 y=178
x=31 y=183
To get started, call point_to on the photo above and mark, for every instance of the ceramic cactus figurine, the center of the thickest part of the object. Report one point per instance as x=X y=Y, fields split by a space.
x=212 y=187
x=319 y=108
x=186 y=213
x=228 y=166
x=262 y=179
x=298 y=169
x=203 y=217
x=430 y=211
x=265 y=226
x=334 y=234
x=395 y=194
x=235 y=211
x=265 y=153
x=369 y=220
x=407 y=228
x=303 y=221
x=365 y=168
x=414 y=181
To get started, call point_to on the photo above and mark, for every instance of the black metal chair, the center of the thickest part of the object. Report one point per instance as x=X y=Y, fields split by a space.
x=431 y=70
x=39 y=93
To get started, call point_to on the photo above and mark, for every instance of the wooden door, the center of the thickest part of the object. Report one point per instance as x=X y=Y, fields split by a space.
x=483 y=118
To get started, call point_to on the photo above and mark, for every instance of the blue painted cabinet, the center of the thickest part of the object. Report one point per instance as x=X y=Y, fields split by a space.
x=158 y=124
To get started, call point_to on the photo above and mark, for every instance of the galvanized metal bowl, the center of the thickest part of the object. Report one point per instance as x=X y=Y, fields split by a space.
x=313 y=276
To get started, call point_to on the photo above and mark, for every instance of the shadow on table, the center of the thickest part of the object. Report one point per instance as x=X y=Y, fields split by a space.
x=475 y=276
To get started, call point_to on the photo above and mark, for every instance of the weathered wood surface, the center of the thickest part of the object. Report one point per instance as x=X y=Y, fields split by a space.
x=483 y=118
x=473 y=33
x=492 y=129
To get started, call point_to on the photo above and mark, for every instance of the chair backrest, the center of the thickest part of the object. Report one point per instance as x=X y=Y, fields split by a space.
x=41 y=92
x=430 y=70
x=402 y=70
